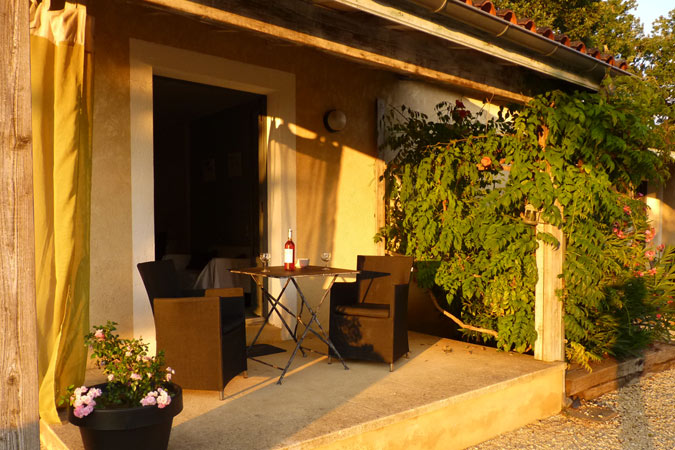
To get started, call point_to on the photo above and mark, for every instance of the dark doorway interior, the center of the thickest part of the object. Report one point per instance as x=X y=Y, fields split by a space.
x=208 y=193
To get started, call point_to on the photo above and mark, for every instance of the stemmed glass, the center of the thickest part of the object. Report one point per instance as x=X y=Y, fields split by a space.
x=265 y=260
x=325 y=257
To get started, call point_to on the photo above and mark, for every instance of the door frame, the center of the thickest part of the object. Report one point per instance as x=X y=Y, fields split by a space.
x=278 y=147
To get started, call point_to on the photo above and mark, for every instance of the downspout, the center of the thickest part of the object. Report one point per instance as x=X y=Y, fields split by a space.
x=517 y=34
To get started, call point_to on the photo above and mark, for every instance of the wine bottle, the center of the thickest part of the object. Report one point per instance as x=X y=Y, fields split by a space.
x=289 y=252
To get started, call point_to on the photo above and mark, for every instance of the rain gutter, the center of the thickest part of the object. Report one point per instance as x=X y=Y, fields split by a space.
x=554 y=58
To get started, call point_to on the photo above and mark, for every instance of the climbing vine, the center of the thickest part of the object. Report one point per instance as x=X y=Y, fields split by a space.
x=462 y=191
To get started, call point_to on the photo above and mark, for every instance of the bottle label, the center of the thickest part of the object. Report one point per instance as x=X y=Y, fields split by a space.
x=288 y=256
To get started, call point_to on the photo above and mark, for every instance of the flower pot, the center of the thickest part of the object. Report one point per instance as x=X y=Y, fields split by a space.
x=142 y=428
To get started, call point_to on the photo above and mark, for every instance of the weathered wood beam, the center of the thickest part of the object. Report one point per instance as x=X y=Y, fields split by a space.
x=19 y=421
x=548 y=309
x=363 y=38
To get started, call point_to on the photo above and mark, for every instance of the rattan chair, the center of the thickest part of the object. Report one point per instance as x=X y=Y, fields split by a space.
x=368 y=318
x=202 y=333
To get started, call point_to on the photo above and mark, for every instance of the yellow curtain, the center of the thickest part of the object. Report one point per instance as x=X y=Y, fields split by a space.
x=61 y=89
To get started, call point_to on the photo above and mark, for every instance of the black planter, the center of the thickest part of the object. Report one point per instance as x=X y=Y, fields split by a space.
x=142 y=428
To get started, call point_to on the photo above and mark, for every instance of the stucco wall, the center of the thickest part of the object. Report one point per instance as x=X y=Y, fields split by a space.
x=337 y=173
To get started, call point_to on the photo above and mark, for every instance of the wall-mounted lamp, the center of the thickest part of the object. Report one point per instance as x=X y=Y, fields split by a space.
x=335 y=120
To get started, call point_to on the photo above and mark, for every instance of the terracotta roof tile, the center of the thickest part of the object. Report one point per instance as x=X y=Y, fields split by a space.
x=546 y=32
x=529 y=24
x=594 y=52
x=486 y=6
x=578 y=46
x=507 y=15
x=563 y=39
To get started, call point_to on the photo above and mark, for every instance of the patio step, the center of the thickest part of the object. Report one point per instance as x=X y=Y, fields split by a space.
x=459 y=421
x=448 y=395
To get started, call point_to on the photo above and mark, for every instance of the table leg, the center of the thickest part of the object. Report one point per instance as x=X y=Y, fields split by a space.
x=274 y=302
x=325 y=338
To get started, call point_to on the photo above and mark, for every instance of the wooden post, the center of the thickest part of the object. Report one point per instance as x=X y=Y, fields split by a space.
x=19 y=421
x=548 y=310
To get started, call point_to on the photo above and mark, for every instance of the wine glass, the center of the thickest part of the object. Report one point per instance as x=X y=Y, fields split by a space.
x=325 y=257
x=265 y=259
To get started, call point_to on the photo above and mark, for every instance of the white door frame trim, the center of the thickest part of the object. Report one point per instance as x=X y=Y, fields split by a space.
x=147 y=59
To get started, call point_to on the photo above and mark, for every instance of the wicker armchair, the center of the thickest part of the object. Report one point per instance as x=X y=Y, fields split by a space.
x=368 y=318
x=202 y=333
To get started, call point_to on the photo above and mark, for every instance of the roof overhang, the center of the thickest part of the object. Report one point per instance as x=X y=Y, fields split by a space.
x=462 y=24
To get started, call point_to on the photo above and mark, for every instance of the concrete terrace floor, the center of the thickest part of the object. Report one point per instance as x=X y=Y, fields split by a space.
x=320 y=404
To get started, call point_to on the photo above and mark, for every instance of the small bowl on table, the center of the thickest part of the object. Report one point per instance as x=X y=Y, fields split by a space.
x=302 y=263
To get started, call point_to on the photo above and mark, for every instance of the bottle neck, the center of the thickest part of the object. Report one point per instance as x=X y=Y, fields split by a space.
x=290 y=234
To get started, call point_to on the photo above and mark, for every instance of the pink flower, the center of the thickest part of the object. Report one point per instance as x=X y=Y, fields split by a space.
x=94 y=393
x=652 y=271
x=79 y=391
x=170 y=370
x=658 y=316
x=150 y=399
x=649 y=234
x=168 y=377
x=486 y=161
x=135 y=376
x=99 y=335
x=661 y=247
x=82 y=411
x=163 y=399
x=83 y=400
x=639 y=274
x=626 y=209
x=650 y=255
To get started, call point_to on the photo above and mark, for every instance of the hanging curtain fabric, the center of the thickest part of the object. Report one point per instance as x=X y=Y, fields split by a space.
x=61 y=90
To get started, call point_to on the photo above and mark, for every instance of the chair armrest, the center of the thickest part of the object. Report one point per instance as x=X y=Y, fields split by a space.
x=232 y=304
x=343 y=294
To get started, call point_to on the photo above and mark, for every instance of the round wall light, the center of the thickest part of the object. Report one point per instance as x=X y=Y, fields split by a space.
x=335 y=120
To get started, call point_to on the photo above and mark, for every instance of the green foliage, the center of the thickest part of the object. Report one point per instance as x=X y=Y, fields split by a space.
x=458 y=191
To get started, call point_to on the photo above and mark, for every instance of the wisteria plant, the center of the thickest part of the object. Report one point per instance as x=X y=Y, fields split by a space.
x=460 y=189
x=135 y=379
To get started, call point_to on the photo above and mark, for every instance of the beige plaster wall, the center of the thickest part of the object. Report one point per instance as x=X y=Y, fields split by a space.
x=337 y=200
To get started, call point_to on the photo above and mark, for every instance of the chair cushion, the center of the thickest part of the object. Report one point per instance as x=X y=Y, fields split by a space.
x=364 y=310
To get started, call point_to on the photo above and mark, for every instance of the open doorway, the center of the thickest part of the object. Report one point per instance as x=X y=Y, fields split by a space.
x=209 y=182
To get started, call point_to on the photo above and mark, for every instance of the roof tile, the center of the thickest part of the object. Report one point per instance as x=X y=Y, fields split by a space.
x=529 y=24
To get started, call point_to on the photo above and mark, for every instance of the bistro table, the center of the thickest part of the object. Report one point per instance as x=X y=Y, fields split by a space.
x=291 y=276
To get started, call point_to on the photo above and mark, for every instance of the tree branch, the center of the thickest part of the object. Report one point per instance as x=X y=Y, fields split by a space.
x=457 y=321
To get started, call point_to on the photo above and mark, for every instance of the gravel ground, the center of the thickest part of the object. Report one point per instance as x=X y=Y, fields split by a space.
x=645 y=419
